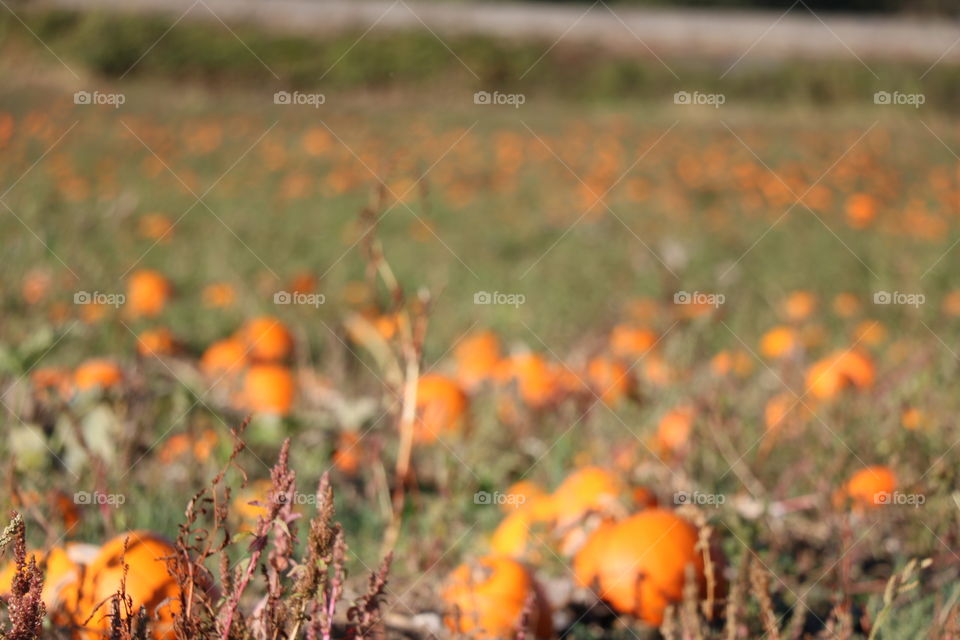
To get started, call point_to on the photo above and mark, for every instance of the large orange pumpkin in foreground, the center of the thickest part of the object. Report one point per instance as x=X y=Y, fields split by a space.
x=268 y=388
x=267 y=339
x=148 y=584
x=441 y=407
x=642 y=562
x=147 y=293
x=486 y=599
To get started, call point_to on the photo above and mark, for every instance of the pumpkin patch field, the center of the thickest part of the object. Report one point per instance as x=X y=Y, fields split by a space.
x=287 y=357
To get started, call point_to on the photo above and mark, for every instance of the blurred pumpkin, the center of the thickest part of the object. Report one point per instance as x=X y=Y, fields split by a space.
x=477 y=357
x=486 y=599
x=534 y=377
x=913 y=419
x=224 y=357
x=268 y=388
x=155 y=226
x=846 y=305
x=779 y=342
x=799 y=305
x=585 y=490
x=829 y=376
x=870 y=487
x=441 y=407
x=267 y=339
x=587 y=560
x=641 y=563
x=251 y=503
x=522 y=494
x=218 y=295
x=673 y=430
x=148 y=584
x=60 y=566
x=512 y=536
x=627 y=341
x=147 y=293
x=55 y=380
x=347 y=455
x=156 y=342
x=610 y=380
x=861 y=209
x=98 y=373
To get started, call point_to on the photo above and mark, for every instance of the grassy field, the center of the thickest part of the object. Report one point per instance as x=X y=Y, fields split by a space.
x=583 y=214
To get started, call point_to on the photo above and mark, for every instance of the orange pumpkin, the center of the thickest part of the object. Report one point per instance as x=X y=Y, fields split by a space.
x=224 y=357
x=610 y=380
x=477 y=357
x=219 y=295
x=829 y=376
x=585 y=490
x=147 y=293
x=627 y=341
x=799 y=305
x=486 y=599
x=51 y=379
x=267 y=339
x=522 y=495
x=148 y=584
x=349 y=453
x=512 y=536
x=779 y=342
x=441 y=407
x=156 y=342
x=846 y=305
x=587 y=560
x=642 y=562
x=861 y=210
x=60 y=565
x=674 y=428
x=97 y=373
x=535 y=378
x=268 y=388
x=870 y=487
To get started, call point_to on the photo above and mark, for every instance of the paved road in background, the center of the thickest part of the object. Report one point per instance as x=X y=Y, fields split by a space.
x=754 y=36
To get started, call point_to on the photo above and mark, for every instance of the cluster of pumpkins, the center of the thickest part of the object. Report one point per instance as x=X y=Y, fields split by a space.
x=636 y=559
x=80 y=581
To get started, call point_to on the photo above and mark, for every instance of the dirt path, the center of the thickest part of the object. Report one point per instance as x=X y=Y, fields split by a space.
x=723 y=36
